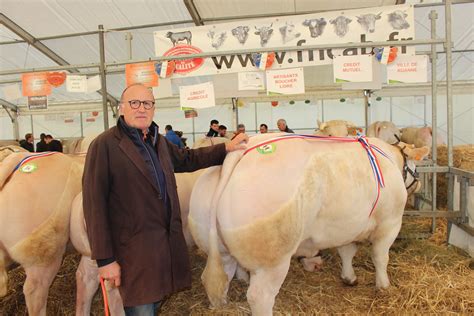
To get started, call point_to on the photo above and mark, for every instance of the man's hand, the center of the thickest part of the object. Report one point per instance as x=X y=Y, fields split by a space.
x=111 y=272
x=236 y=143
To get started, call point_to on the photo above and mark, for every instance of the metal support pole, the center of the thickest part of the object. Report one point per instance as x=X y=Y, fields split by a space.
x=256 y=118
x=449 y=66
x=367 y=106
x=82 y=125
x=322 y=110
x=194 y=131
x=434 y=116
x=103 y=79
x=391 y=110
x=235 y=111
x=128 y=38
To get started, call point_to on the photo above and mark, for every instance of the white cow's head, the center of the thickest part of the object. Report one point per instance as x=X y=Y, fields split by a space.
x=341 y=25
x=265 y=33
x=368 y=21
x=289 y=32
x=217 y=39
x=241 y=33
x=398 y=20
x=316 y=26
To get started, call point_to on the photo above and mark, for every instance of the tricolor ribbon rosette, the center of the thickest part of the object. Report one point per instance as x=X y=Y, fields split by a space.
x=263 y=60
x=165 y=69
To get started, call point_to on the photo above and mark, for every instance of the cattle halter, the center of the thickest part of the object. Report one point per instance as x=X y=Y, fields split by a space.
x=406 y=168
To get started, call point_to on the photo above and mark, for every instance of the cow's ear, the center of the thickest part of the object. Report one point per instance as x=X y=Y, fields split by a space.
x=305 y=23
x=358 y=18
x=323 y=21
x=270 y=31
x=378 y=16
x=322 y=126
x=246 y=28
x=349 y=20
x=332 y=21
x=418 y=153
x=257 y=32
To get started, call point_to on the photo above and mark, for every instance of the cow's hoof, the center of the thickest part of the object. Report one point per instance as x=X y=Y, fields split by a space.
x=348 y=282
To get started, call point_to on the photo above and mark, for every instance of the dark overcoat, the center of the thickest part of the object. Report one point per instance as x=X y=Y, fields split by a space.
x=126 y=218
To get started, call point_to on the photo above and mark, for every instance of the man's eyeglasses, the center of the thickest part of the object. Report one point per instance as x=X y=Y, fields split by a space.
x=147 y=104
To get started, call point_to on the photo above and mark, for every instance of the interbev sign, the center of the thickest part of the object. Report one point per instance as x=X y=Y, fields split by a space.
x=391 y=23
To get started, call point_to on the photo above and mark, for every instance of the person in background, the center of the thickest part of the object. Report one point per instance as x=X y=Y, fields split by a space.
x=283 y=127
x=28 y=143
x=131 y=205
x=172 y=137
x=240 y=130
x=213 y=129
x=263 y=128
x=222 y=131
x=53 y=144
x=41 y=146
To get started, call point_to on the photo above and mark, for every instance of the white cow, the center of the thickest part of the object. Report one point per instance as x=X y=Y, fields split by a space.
x=385 y=130
x=337 y=128
x=316 y=26
x=34 y=220
x=265 y=32
x=295 y=197
x=217 y=38
x=420 y=136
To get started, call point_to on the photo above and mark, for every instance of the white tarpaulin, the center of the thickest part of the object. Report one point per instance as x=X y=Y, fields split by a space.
x=391 y=23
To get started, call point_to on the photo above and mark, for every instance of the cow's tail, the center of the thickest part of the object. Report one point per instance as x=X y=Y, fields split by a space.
x=8 y=165
x=214 y=278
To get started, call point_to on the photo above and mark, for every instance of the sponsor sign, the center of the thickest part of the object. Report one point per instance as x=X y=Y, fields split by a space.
x=143 y=73
x=353 y=68
x=35 y=84
x=391 y=23
x=285 y=81
x=197 y=96
x=38 y=102
x=408 y=69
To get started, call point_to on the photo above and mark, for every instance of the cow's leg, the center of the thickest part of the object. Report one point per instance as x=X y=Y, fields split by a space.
x=115 y=300
x=380 y=249
x=3 y=274
x=36 y=287
x=347 y=253
x=87 y=282
x=264 y=286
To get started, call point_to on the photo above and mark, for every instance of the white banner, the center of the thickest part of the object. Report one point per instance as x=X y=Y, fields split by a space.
x=391 y=23
x=251 y=80
x=197 y=96
x=353 y=68
x=408 y=69
x=285 y=81
x=76 y=83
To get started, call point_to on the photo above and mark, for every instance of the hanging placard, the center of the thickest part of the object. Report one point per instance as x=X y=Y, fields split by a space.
x=35 y=84
x=143 y=73
x=38 y=102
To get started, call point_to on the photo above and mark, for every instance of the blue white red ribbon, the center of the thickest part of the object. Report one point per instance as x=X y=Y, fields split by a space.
x=374 y=163
x=32 y=157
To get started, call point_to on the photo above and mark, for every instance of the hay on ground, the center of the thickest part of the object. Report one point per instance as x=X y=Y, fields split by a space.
x=427 y=277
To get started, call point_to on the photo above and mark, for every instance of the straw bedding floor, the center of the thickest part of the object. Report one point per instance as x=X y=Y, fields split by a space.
x=427 y=277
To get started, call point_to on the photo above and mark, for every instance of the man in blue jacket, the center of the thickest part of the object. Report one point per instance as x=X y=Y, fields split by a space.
x=172 y=137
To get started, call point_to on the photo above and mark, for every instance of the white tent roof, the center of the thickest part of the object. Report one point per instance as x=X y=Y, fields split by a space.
x=44 y=18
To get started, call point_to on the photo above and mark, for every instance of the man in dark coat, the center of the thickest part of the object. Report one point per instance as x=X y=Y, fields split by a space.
x=41 y=146
x=53 y=144
x=131 y=204
x=213 y=129
x=28 y=143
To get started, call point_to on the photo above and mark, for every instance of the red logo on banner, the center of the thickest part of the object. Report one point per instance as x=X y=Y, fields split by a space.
x=186 y=65
x=56 y=78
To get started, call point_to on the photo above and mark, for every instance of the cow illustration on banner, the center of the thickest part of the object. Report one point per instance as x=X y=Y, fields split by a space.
x=391 y=23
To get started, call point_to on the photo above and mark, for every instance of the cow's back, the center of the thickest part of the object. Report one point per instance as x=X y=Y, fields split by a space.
x=35 y=204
